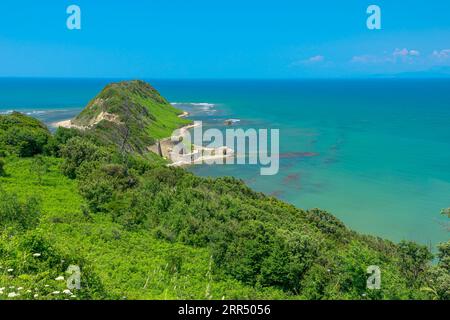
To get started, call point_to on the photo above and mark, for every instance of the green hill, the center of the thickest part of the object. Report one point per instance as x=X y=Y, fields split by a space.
x=140 y=230
x=130 y=114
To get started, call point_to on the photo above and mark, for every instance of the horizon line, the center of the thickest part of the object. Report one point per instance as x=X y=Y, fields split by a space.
x=380 y=77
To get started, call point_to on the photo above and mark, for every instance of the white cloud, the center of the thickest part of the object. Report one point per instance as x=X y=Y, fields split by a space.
x=441 y=55
x=315 y=59
x=366 y=58
x=405 y=53
x=400 y=52
x=312 y=60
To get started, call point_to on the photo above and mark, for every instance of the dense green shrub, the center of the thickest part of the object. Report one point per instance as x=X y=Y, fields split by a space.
x=19 y=215
x=22 y=135
x=77 y=151
x=438 y=284
x=414 y=259
x=35 y=264
x=255 y=239
x=249 y=240
x=62 y=135
x=290 y=258
x=59 y=139
x=444 y=255
x=99 y=184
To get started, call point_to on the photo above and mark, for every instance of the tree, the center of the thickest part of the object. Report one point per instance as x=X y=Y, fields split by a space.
x=415 y=259
x=77 y=151
x=62 y=135
x=100 y=184
x=439 y=283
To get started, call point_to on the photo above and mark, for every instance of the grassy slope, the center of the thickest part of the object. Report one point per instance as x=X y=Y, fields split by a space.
x=262 y=235
x=135 y=265
x=139 y=107
x=130 y=264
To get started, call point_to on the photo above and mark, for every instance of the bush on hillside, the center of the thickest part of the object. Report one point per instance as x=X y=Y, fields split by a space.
x=99 y=184
x=414 y=259
x=62 y=135
x=20 y=215
x=22 y=135
x=35 y=264
x=78 y=151
x=439 y=276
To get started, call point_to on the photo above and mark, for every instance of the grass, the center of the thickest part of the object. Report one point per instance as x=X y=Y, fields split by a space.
x=130 y=264
x=167 y=119
x=139 y=108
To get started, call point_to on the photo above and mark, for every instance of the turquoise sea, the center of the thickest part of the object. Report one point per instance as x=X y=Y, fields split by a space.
x=375 y=153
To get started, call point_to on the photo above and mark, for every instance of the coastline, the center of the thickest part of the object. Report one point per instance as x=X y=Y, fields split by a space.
x=63 y=123
x=333 y=144
x=163 y=147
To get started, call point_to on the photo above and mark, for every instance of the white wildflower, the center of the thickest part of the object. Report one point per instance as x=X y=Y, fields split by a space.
x=10 y=270
x=56 y=292
x=36 y=255
x=67 y=291
x=36 y=295
x=13 y=295
x=60 y=278
x=19 y=288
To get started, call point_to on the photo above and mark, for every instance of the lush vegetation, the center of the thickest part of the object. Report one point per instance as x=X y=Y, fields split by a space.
x=138 y=116
x=140 y=230
x=22 y=136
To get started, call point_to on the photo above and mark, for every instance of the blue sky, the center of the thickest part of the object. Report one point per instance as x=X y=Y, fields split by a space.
x=223 y=39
